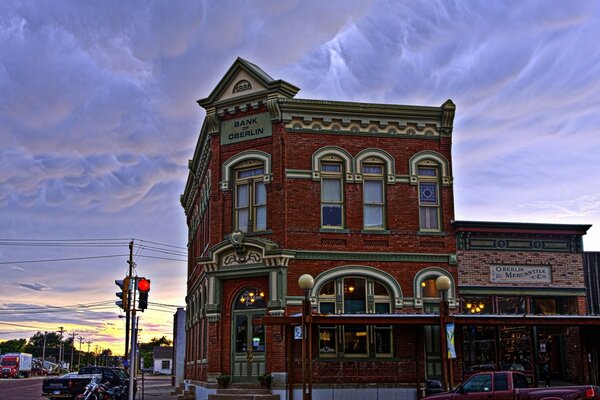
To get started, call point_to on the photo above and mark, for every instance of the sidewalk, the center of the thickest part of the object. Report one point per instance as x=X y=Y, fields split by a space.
x=155 y=387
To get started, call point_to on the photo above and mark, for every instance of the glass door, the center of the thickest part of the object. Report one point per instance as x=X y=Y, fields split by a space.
x=248 y=338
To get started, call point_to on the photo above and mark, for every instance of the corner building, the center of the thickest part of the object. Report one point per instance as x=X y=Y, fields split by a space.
x=359 y=196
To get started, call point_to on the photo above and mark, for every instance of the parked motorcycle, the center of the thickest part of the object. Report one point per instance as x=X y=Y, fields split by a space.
x=101 y=391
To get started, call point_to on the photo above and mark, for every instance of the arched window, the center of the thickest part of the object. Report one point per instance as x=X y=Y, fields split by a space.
x=429 y=196
x=373 y=170
x=250 y=197
x=332 y=192
x=355 y=294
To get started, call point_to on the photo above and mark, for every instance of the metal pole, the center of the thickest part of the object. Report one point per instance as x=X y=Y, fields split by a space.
x=128 y=312
x=132 y=355
x=309 y=347
x=443 y=343
x=79 y=357
x=133 y=341
x=304 y=346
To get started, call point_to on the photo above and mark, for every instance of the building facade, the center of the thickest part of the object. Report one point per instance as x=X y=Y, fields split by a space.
x=357 y=195
x=522 y=269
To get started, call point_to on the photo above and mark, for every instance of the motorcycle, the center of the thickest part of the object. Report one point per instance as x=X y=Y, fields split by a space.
x=101 y=391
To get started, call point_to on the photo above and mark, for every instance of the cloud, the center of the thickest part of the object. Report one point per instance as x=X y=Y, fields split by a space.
x=33 y=286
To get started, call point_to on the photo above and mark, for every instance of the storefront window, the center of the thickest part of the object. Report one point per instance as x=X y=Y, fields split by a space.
x=477 y=305
x=479 y=348
x=511 y=305
x=515 y=348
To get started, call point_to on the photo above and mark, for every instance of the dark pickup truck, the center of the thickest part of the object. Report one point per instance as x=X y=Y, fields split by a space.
x=513 y=385
x=70 y=387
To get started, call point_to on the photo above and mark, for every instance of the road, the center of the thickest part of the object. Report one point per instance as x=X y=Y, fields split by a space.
x=155 y=388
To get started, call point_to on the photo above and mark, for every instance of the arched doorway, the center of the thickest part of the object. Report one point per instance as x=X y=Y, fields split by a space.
x=248 y=340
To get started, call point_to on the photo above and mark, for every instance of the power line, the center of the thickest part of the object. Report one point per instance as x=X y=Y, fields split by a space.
x=163 y=258
x=62 y=259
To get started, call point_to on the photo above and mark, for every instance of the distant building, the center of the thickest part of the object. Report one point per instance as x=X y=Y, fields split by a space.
x=163 y=360
x=179 y=346
x=360 y=196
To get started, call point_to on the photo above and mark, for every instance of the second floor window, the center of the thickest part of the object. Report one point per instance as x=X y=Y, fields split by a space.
x=250 y=199
x=332 y=197
x=429 y=199
x=373 y=195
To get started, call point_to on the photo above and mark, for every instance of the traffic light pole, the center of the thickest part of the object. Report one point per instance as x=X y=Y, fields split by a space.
x=132 y=355
x=127 y=311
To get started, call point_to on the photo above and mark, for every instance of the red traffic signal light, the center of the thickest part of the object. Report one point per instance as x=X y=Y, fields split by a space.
x=143 y=285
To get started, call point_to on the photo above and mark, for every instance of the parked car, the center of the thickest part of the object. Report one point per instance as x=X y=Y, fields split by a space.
x=512 y=385
x=69 y=386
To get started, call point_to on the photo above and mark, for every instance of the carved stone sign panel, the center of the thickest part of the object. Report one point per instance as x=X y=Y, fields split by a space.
x=246 y=128
x=520 y=274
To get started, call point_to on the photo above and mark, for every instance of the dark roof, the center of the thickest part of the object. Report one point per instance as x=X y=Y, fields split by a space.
x=529 y=227
x=163 y=352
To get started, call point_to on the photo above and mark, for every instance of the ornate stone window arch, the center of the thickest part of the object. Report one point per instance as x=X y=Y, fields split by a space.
x=334 y=151
x=229 y=165
x=390 y=163
x=422 y=286
x=359 y=270
x=431 y=158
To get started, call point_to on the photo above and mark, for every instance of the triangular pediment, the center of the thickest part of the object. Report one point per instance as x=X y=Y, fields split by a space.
x=245 y=79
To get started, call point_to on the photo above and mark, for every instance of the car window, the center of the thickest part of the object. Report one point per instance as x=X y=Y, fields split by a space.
x=520 y=381
x=110 y=375
x=501 y=382
x=478 y=383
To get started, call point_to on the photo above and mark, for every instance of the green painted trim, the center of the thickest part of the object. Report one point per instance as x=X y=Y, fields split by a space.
x=431 y=233
x=298 y=174
x=334 y=230
x=387 y=257
x=547 y=291
x=376 y=231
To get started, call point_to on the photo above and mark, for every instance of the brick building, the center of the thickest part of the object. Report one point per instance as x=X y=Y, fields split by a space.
x=358 y=195
x=522 y=269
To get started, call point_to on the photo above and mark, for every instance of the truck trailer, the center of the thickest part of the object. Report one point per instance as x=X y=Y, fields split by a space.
x=15 y=365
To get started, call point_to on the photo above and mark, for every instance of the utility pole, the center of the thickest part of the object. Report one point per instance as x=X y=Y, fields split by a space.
x=88 y=352
x=60 y=347
x=44 y=350
x=128 y=312
x=81 y=339
x=72 y=350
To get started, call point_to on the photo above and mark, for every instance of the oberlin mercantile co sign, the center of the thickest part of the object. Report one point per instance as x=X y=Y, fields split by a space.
x=519 y=274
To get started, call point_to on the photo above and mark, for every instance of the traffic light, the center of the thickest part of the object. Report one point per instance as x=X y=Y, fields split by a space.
x=123 y=295
x=143 y=286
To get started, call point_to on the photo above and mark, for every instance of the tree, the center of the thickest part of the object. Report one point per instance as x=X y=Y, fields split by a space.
x=13 y=346
x=36 y=344
x=146 y=349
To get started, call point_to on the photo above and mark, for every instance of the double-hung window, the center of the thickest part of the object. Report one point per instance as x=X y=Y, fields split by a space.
x=250 y=199
x=332 y=196
x=373 y=195
x=429 y=198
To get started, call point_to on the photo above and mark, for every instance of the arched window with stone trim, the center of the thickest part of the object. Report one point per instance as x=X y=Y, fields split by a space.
x=373 y=173
x=346 y=291
x=332 y=192
x=250 y=197
x=428 y=173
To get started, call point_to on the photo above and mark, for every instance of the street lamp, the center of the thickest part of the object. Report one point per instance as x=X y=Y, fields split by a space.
x=306 y=282
x=443 y=283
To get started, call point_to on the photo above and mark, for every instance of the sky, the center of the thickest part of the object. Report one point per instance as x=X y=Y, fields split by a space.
x=98 y=118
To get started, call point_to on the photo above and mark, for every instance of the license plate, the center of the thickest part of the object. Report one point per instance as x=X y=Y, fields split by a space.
x=56 y=392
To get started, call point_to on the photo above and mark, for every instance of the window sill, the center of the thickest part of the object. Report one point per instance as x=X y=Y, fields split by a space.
x=334 y=230
x=376 y=231
x=259 y=233
x=431 y=233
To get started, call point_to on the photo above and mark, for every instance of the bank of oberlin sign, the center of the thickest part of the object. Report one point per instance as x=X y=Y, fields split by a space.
x=246 y=128
x=520 y=274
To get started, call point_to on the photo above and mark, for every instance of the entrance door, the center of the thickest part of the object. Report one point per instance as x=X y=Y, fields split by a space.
x=248 y=339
